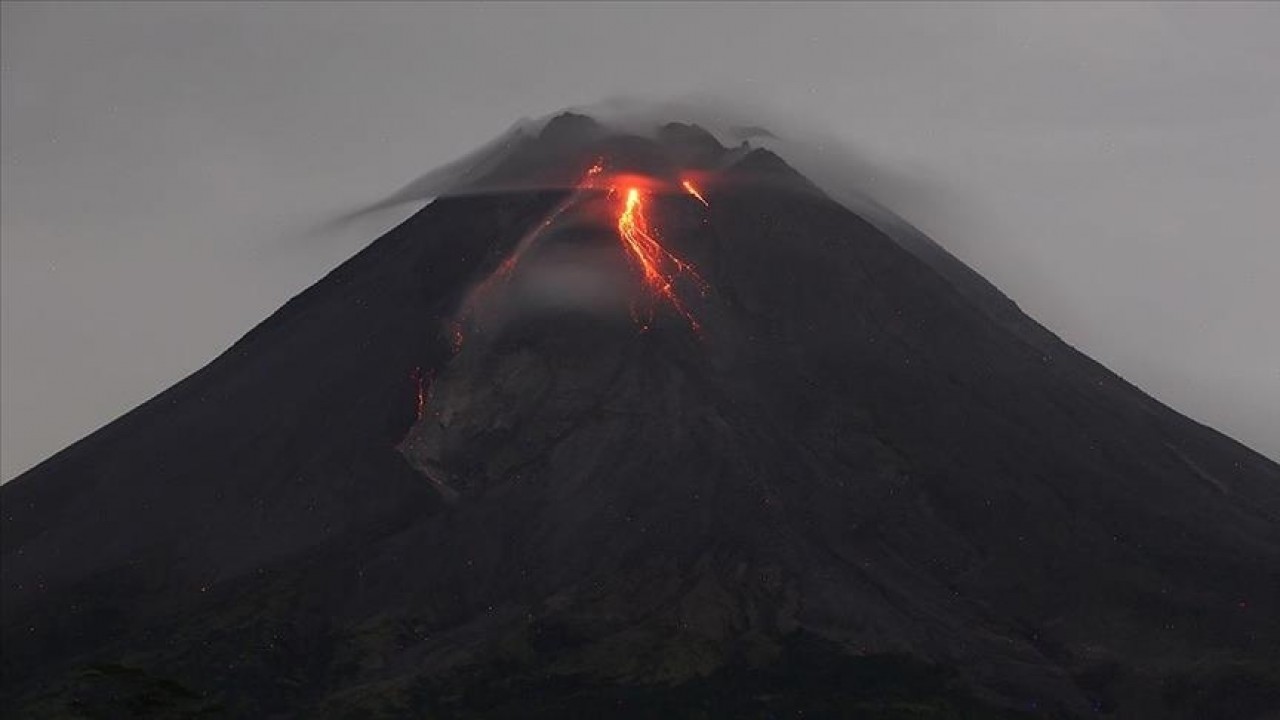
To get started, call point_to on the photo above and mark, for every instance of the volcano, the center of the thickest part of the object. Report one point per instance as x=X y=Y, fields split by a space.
x=641 y=425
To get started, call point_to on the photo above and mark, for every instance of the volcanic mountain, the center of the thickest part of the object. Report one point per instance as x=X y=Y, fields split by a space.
x=640 y=425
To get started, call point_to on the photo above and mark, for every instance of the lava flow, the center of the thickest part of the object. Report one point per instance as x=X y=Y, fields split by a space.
x=693 y=190
x=420 y=383
x=658 y=267
x=456 y=337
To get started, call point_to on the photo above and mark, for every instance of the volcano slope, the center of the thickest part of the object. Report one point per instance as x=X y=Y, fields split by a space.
x=492 y=466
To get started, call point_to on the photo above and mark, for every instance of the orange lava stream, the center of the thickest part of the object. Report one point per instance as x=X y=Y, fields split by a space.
x=689 y=188
x=658 y=267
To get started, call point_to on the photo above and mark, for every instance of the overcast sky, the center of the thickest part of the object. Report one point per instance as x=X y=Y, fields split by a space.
x=1114 y=168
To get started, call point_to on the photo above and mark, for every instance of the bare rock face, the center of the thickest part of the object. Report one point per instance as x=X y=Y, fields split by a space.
x=497 y=466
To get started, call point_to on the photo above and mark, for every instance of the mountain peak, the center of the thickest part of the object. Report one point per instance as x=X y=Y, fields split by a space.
x=571 y=127
x=636 y=424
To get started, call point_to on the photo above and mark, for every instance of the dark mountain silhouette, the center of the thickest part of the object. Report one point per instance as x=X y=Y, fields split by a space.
x=485 y=469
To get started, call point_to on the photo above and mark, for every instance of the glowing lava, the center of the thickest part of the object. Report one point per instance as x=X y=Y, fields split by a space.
x=660 y=270
x=455 y=337
x=692 y=190
x=658 y=267
x=420 y=383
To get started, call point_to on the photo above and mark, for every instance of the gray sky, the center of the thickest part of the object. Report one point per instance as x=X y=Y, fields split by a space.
x=1114 y=168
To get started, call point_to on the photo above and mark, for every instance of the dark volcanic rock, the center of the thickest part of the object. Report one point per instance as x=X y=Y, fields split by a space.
x=864 y=489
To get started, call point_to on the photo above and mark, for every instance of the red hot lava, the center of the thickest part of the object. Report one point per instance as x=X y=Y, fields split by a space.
x=658 y=267
x=661 y=271
x=420 y=385
x=690 y=188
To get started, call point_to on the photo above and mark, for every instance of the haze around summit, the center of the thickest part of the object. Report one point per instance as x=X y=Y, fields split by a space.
x=1112 y=167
